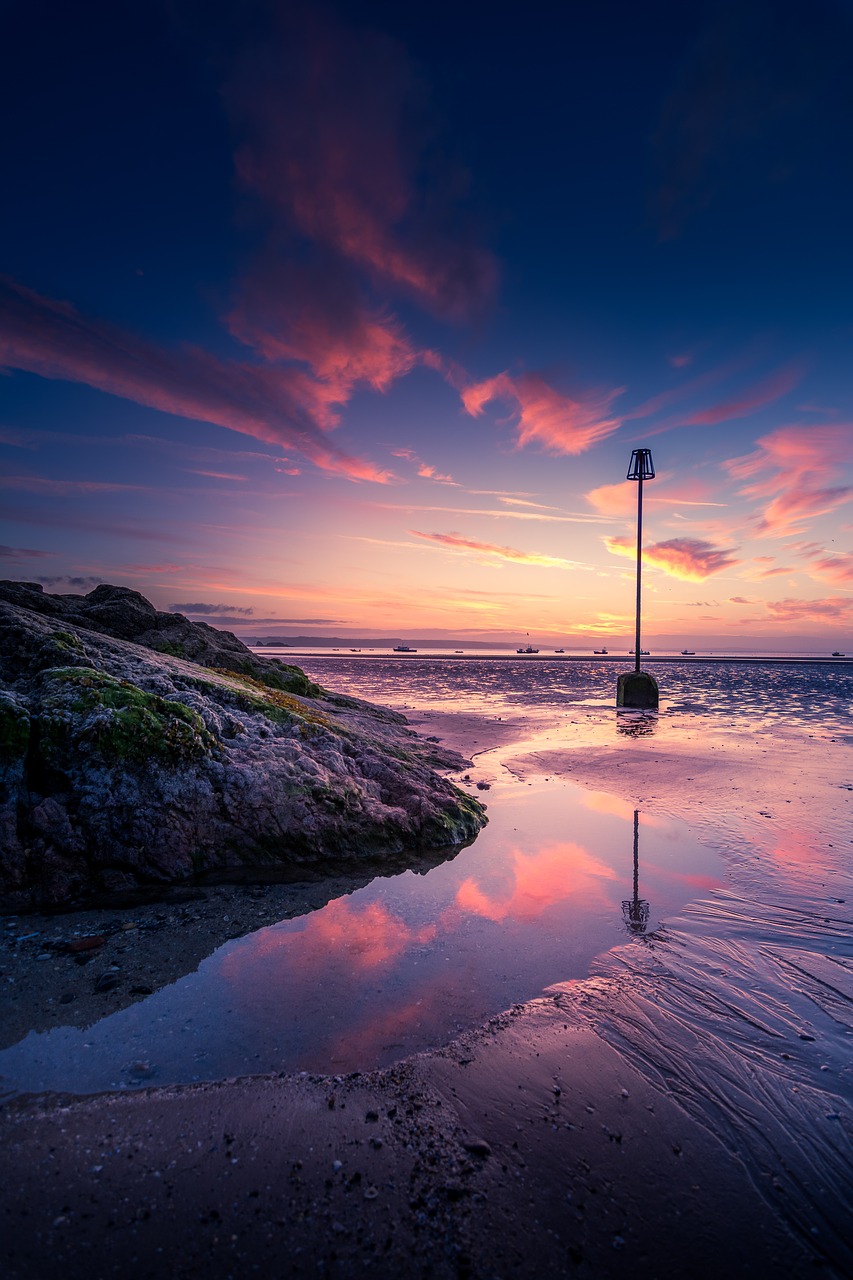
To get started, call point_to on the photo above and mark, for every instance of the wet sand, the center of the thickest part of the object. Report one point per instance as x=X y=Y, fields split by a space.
x=669 y=1116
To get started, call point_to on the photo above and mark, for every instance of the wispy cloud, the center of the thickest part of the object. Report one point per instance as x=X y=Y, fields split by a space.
x=832 y=609
x=491 y=551
x=750 y=400
x=201 y=608
x=86 y=582
x=424 y=469
x=284 y=406
x=45 y=484
x=793 y=469
x=557 y=422
x=331 y=120
x=689 y=558
x=494 y=513
x=621 y=499
x=23 y=553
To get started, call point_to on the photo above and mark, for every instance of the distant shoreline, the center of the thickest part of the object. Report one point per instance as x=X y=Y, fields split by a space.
x=698 y=660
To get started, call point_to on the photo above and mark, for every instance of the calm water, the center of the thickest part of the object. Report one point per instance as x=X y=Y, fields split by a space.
x=408 y=961
x=404 y=963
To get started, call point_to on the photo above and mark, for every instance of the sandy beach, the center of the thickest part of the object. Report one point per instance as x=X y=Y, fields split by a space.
x=670 y=1115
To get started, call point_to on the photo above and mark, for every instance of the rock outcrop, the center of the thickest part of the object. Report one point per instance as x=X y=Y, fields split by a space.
x=138 y=748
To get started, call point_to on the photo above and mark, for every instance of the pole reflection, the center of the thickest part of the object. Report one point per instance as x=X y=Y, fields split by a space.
x=635 y=911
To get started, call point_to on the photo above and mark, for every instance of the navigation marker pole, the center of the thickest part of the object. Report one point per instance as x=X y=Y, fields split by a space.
x=638 y=689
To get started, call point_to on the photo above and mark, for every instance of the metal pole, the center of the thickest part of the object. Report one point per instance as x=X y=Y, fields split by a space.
x=639 y=561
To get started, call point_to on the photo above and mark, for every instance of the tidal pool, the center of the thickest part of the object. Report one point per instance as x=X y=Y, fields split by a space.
x=404 y=963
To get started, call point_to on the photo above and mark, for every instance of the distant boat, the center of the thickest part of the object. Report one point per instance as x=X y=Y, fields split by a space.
x=837 y=654
x=355 y=651
x=527 y=649
x=403 y=648
x=689 y=653
x=599 y=650
x=559 y=651
x=458 y=650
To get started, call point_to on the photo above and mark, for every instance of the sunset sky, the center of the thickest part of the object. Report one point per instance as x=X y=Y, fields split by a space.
x=344 y=320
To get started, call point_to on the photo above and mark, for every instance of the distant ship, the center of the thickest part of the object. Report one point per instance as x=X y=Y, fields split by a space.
x=689 y=653
x=599 y=650
x=559 y=651
x=837 y=654
x=403 y=648
x=528 y=648
x=355 y=651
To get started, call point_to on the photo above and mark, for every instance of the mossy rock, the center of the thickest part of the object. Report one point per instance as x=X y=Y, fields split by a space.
x=169 y=649
x=117 y=720
x=14 y=729
x=66 y=640
x=276 y=704
x=287 y=679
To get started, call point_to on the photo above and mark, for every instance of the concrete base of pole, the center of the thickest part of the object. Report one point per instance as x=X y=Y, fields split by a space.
x=637 y=689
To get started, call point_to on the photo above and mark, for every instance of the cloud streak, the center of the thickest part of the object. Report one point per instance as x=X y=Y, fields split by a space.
x=283 y=406
x=794 y=468
x=490 y=551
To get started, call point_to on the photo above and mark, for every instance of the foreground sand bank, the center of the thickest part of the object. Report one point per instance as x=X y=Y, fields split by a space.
x=645 y=1122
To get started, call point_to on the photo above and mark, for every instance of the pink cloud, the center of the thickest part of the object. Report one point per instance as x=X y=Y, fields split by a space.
x=837 y=569
x=332 y=141
x=793 y=468
x=751 y=400
x=692 y=559
x=831 y=609
x=491 y=550
x=559 y=423
x=314 y=314
x=284 y=406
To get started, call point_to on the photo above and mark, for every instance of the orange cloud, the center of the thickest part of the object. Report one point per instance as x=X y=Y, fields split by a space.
x=560 y=423
x=621 y=499
x=491 y=551
x=284 y=406
x=689 y=558
x=793 y=468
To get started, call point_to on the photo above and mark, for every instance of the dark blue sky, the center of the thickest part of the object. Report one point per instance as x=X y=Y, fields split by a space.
x=280 y=275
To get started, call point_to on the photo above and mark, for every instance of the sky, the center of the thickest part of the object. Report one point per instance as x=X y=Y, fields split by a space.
x=345 y=320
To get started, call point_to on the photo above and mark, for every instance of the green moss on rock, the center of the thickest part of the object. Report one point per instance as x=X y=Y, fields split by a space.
x=287 y=680
x=116 y=719
x=14 y=729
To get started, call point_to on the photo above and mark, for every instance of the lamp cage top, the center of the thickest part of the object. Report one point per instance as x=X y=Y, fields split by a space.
x=641 y=466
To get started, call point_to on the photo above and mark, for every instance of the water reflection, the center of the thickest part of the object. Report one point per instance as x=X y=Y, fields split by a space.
x=636 y=724
x=636 y=910
x=402 y=964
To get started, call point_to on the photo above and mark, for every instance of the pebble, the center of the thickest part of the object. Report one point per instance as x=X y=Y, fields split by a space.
x=479 y=1147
